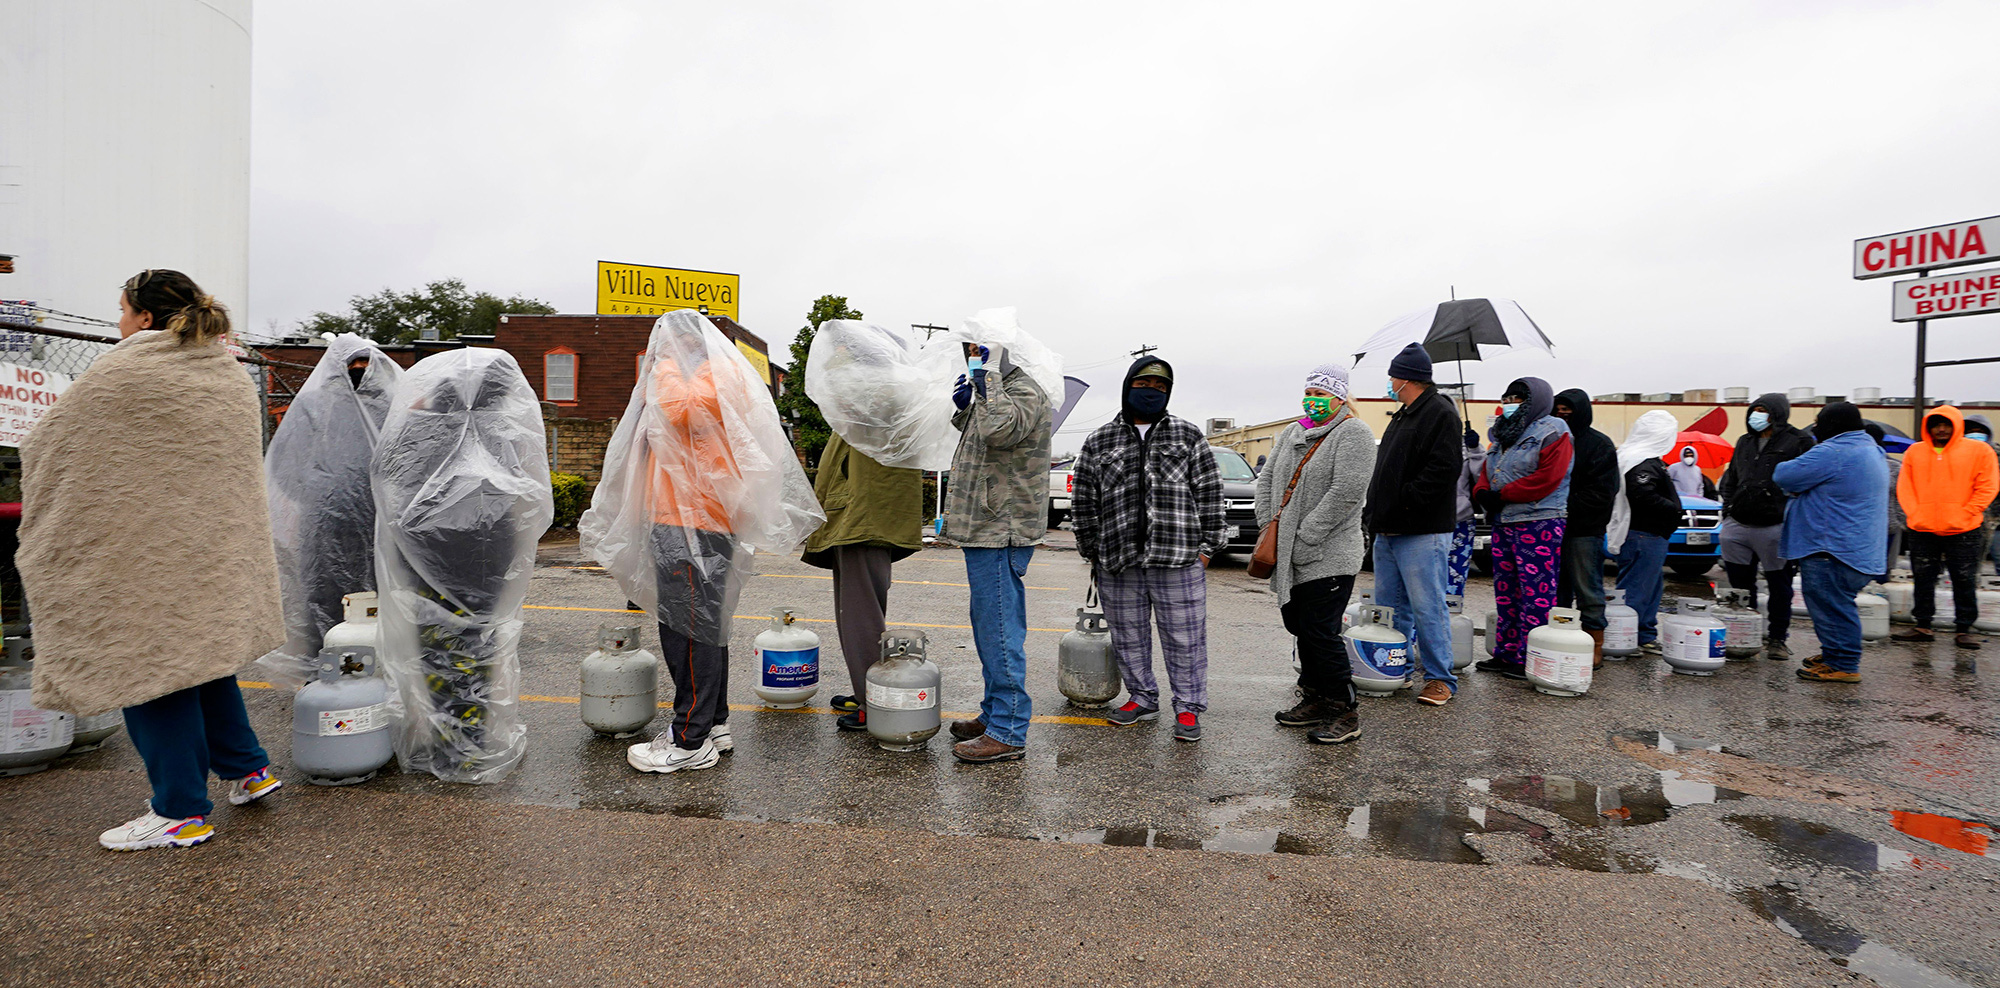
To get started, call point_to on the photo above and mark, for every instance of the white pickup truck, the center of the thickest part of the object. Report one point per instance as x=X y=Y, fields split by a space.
x=1061 y=484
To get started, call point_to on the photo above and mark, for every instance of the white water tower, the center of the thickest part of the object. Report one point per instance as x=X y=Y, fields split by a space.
x=124 y=145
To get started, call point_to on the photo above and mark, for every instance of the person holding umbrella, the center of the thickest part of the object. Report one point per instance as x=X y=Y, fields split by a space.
x=1753 y=514
x=1687 y=476
x=1525 y=493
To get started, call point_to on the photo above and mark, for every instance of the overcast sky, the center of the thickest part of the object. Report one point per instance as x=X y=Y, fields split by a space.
x=1670 y=190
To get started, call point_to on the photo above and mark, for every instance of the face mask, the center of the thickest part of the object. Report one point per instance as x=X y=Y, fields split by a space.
x=1146 y=402
x=1318 y=407
x=1393 y=396
x=1759 y=421
x=1687 y=459
x=1508 y=410
x=355 y=374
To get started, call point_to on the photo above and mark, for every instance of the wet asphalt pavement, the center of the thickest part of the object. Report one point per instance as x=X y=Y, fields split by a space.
x=1748 y=828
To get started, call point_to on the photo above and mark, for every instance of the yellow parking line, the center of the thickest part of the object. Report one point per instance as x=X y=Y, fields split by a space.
x=765 y=617
x=810 y=576
x=751 y=707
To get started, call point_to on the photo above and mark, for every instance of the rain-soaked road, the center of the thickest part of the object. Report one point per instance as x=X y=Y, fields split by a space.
x=1855 y=819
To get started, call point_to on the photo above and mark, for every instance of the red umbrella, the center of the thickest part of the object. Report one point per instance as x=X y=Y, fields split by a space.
x=1711 y=452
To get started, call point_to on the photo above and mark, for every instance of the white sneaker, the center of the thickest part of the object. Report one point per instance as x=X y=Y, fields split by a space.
x=720 y=737
x=154 y=830
x=650 y=756
x=253 y=787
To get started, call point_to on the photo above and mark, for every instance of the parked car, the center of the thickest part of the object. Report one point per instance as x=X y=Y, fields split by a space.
x=1062 y=484
x=1239 y=498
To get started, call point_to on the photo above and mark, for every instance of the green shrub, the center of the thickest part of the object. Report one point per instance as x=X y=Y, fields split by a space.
x=570 y=498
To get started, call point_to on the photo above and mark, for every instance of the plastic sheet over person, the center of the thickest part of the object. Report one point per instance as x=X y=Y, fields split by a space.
x=875 y=393
x=698 y=478
x=316 y=476
x=943 y=357
x=462 y=498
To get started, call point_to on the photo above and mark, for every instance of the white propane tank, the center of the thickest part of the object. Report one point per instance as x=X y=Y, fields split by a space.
x=1621 y=628
x=1902 y=597
x=1696 y=646
x=1874 y=610
x=902 y=694
x=1989 y=606
x=1353 y=612
x=32 y=737
x=1799 y=596
x=787 y=662
x=340 y=721
x=1377 y=653
x=1742 y=626
x=620 y=691
x=1492 y=629
x=1461 y=633
x=1560 y=654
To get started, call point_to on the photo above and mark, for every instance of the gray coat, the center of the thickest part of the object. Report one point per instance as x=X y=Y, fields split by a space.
x=1319 y=534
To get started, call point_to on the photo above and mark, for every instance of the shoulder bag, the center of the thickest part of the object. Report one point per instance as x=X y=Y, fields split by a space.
x=1264 y=559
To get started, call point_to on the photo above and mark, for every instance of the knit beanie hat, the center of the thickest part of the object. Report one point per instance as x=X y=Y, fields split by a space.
x=1329 y=377
x=1836 y=418
x=1412 y=364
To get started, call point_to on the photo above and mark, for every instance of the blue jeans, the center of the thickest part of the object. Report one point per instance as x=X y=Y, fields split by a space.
x=1000 y=630
x=1642 y=563
x=1830 y=586
x=1411 y=573
x=188 y=733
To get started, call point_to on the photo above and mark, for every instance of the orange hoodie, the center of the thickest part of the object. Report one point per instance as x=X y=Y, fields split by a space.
x=694 y=472
x=1946 y=493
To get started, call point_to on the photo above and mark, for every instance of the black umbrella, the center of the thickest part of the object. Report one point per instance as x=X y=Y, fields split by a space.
x=1456 y=330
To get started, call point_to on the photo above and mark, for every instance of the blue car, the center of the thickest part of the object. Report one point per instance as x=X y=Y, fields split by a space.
x=1695 y=549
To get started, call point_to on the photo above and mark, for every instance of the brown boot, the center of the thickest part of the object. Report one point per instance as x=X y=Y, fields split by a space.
x=985 y=749
x=966 y=730
x=1596 y=649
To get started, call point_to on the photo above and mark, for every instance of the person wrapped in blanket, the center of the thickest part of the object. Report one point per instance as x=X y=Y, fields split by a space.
x=462 y=496
x=316 y=476
x=698 y=478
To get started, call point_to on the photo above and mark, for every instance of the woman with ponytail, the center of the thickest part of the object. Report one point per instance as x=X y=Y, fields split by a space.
x=147 y=558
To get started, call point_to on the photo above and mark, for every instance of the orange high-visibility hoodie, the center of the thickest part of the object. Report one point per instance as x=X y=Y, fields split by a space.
x=694 y=472
x=1945 y=492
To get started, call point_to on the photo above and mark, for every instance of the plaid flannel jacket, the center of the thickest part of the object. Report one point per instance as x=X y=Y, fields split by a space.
x=1152 y=502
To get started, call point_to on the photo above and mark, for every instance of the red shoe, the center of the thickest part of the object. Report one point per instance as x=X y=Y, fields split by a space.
x=1187 y=727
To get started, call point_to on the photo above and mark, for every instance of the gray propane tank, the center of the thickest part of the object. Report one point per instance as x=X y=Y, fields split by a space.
x=1461 y=633
x=620 y=691
x=1378 y=654
x=94 y=730
x=340 y=721
x=787 y=663
x=1742 y=626
x=902 y=695
x=1086 y=666
x=30 y=737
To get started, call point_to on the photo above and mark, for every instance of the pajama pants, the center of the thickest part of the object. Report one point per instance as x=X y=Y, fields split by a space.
x=1177 y=599
x=1527 y=565
x=1461 y=559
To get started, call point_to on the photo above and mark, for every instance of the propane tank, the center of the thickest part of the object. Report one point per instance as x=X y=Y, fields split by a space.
x=1799 y=597
x=787 y=662
x=903 y=692
x=1560 y=654
x=1378 y=654
x=620 y=694
x=1988 y=619
x=1874 y=610
x=340 y=721
x=1353 y=612
x=1742 y=626
x=1902 y=597
x=1621 y=628
x=1461 y=633
x=1696 y=648
x=94 y=730
x=1492 y=629
x=1086 y=667
x=30 y=737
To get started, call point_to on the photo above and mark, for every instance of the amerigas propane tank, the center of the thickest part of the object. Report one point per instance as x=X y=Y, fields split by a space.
x=787 y=662
x=1086 y=667
x=621 y=683
x=1461 y=633
x=1696 y=645
x=1353 y=612
x=903 y=692
x=1621 y=628
x=30 y=737
x=1742 y=626
x=1378 y=654
x=1560 y=654
x=340 y=721
x=1874 y=610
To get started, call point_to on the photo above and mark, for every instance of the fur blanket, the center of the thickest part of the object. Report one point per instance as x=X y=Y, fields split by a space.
x=145 y=538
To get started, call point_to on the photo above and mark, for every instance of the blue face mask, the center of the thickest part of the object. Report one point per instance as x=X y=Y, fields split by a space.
x=1146 y=402
x=1393 y=396
x=1508 y=410
x=1759 y=421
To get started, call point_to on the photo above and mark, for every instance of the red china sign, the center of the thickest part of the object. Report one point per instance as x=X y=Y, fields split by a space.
x=1970 y=242
x=1966 y=293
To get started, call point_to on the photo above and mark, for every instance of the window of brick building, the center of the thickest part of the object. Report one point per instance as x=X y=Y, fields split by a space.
x=559 y=375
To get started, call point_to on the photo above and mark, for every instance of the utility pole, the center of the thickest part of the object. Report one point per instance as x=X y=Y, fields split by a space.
x=929 y=330
x=1144 y=350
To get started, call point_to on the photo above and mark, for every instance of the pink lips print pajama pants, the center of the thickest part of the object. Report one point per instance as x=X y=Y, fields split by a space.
x=1527 y=564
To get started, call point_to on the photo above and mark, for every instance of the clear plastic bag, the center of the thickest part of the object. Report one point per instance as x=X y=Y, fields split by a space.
x=943 y=357
x=873 y=392
x=322 y=505
x=699 y=478
x=462 y=497
x=1652 y=437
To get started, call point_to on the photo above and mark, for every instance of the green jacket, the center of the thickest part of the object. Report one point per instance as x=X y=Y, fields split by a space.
x=999 y=493
x=866 y=503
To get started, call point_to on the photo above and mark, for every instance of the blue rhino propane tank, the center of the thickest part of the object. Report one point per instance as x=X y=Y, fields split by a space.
x=787 y=662
x=340 y=721
x=1378 y=654
x=1695 y=645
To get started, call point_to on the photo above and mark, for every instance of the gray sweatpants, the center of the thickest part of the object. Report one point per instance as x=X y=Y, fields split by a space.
x=860 y=607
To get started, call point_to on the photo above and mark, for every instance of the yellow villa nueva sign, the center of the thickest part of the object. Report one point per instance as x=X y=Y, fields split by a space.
x=645 y=290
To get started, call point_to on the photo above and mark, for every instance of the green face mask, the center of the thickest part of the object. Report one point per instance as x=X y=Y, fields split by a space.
x=1318 y=407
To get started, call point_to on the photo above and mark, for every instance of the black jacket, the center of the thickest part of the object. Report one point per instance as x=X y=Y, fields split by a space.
x=1748 y=494
x=1593 y=475
x=1415 y=487
x=1656 y=505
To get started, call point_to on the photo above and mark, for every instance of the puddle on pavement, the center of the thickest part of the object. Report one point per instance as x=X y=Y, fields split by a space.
x=1784 y=908
x=1969 y=836
x=1674 y=744
x=1820 y=844
x=1230 y=836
